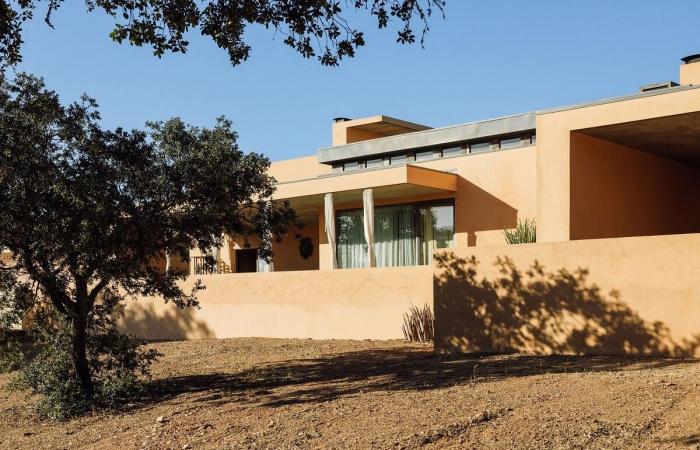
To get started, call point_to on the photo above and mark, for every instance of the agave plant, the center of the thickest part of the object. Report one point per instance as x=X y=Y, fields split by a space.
x=418 y=324
x=524 y=233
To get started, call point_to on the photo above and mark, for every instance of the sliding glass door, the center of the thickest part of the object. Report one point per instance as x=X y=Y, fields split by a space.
x=404 y=235
x=394 y=236
x=350 y=239
x=436 y=230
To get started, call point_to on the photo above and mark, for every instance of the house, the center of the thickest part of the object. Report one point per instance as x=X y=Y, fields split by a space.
x=625 y=166
x=387 y=195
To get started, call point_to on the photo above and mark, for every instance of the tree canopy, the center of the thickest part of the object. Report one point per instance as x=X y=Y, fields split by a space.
x=86 y=211
x=314 y=28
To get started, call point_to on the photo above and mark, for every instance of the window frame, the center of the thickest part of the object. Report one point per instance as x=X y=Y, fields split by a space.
x=416 y=206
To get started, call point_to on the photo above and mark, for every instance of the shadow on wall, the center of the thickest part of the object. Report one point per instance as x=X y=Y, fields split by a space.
x=541 y=312
x=494 y=213
x=167 y=322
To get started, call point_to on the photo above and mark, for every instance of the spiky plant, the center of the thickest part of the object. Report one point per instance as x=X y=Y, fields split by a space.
x=418 y=324
x=524 y=233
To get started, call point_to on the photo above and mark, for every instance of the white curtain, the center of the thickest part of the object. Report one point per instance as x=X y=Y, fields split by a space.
x=395 y=238
x=351 y=246
x=329 y=214
x=216 y=253
x=368 y=222
x=263 y=266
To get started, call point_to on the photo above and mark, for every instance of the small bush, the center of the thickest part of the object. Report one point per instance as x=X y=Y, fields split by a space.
x=418 y=324
x=10 y=354
x=118 y=363
x=524 y=233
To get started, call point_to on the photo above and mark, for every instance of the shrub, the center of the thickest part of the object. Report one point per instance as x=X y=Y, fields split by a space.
x=418 y=324
x=119 y=365
x=10 y=354
x=524 y=233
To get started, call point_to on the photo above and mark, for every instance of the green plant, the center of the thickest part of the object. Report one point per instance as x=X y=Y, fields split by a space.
x=119 y=364
x=418 y=324
x=86 y=211
x=10 y=355
x=524 y=233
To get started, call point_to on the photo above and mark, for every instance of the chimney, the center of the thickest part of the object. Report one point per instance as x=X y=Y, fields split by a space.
x=690 y=69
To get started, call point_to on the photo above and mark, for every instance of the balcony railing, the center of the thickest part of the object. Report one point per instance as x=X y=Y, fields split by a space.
x=200 y=267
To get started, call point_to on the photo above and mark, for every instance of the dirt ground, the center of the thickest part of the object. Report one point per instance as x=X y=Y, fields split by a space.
x=303 y=394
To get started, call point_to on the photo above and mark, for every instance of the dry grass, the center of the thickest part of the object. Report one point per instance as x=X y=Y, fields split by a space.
x=298 y=394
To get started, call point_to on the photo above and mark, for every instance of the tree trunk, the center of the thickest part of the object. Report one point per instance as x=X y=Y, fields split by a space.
x=82 y=369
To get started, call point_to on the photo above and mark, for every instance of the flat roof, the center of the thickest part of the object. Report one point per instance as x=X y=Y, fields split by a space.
x=465 y=132
x=429 y=138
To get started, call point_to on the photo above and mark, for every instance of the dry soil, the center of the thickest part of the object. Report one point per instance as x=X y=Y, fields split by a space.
x=303 y=394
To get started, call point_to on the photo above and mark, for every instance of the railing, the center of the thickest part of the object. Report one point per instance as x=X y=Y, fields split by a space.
x=200 y=267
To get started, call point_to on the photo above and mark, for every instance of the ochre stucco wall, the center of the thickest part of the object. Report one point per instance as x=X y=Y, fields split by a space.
x=287 y=255
x=619 y=191
x=635 y=295
x=298 y=169
x=690 y=73
x=347 y=304
x=553 y=149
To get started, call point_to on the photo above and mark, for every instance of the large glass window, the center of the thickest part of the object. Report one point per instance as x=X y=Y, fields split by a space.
x=394 y=236
x=350 y=240
x=436 y=230
x=404 y=235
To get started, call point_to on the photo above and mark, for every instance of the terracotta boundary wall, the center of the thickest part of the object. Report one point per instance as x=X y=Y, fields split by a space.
x=319 y=304
x=636 y=295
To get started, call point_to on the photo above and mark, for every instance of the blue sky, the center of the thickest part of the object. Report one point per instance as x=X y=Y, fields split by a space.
x=486 y=59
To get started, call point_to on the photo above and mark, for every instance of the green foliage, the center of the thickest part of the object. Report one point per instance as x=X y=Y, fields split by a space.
x=86 y=211
x=11 y=356
x=313 y=28
x=118 y=364
x=524 y=233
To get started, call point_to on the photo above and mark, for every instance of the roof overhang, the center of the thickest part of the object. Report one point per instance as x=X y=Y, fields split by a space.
x=429 y=138
x=675 y=137
x=306 y=196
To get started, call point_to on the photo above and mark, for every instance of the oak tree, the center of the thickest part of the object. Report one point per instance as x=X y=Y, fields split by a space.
x=87 y=211
x=314 y=28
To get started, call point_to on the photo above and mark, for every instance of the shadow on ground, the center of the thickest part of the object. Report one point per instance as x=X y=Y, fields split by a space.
x=410 y=369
